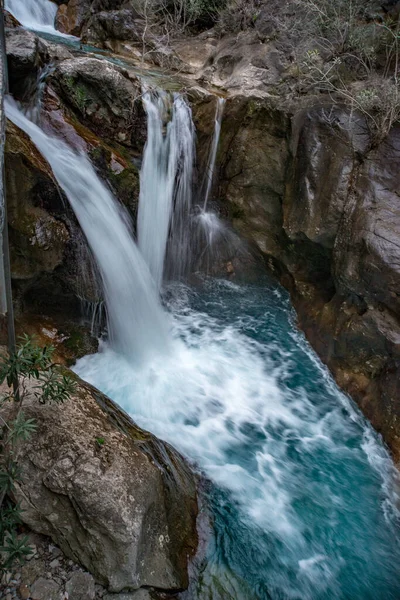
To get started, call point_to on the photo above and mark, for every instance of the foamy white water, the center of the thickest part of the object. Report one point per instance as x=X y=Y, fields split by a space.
x=34 y=14
x=138 y=328
x=310 y=489
x=165 y=178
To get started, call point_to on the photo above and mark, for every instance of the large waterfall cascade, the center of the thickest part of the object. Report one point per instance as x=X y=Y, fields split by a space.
x=137 y=325
x=34 y=14
x=166 y=182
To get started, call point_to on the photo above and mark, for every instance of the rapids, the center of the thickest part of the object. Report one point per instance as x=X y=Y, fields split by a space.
x=303 y=499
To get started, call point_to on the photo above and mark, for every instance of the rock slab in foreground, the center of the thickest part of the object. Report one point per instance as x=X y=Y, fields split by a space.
x=113 y=497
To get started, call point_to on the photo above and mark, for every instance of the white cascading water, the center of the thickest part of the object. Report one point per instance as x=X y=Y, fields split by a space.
x=137 y=325
x=165 y=178
x=34 y=14
x=210 y=171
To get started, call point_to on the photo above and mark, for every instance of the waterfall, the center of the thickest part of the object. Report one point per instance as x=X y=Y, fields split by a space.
x=34 y=14
x=166 y=182
x=137 y=325
x=210 y=171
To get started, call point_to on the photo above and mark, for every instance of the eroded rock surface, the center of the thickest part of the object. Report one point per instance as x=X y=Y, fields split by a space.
x=322 y=202
x=105 y=97
x=113 y=497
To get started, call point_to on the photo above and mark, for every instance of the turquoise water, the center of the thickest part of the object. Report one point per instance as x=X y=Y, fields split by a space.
x=301 y=497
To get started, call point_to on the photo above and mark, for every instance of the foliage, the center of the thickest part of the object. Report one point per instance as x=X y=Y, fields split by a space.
x=176 y=17
x=240 y=15
x=29 y=372
x=358 y=64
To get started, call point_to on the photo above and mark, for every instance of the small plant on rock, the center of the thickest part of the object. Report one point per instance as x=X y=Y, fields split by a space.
x=29 y=372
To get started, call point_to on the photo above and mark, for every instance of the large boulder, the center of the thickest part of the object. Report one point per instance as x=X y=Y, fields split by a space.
x=23 y=60
x=112 y=496
x=27 y=54
x=123 y=25
x=105 y=97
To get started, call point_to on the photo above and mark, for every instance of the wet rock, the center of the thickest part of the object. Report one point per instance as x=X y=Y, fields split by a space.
x=342 y=219
x=137 y=526
x=80 y=586
x=70 y=17
x=104 y=97
x=23 y=60
x=10 y=21
x=367 y=253
x=38 y=239
x=253 y=155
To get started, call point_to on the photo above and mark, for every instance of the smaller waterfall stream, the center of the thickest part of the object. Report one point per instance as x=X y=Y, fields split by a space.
x=34 y=14
x=210 y=172
x=165 y=179
x=137 y=325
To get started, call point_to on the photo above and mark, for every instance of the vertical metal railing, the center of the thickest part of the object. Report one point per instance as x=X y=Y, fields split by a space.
x=3 y=200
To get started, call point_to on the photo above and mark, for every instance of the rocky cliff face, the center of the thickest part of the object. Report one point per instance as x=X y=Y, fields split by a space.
x=324 y=207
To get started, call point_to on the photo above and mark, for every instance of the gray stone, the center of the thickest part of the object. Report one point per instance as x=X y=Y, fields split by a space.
x=105 y=97
x=32 y=570
x=54 y=564
x=45 y=589
x=80 y=586
x=56 y=552
x=135 y=529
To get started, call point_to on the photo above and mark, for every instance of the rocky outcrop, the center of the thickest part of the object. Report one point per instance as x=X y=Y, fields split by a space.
x=101 y=21
x=112 y=25
x=71 y=16
x=253 y=156
x=342 y=199
x=322 y=203
x=103 y=96
x=114 y=498
x=23 y=60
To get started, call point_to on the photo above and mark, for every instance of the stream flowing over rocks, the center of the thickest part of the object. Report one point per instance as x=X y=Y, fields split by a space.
x=233 y=191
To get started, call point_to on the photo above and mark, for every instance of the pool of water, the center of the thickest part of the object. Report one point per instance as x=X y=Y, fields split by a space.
x=303 y=496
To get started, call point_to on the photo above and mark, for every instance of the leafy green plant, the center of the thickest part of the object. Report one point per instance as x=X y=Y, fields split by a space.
x=29 y=372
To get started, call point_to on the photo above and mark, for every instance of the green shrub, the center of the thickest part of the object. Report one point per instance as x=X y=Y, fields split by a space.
x=29 y=371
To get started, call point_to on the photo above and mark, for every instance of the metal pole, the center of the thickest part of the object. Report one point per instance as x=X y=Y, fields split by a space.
x=6 y=248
